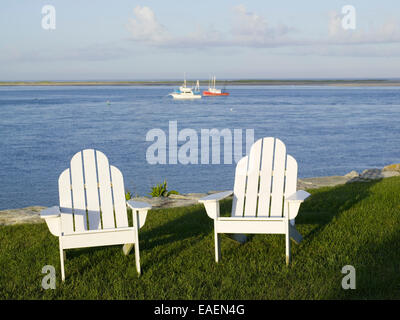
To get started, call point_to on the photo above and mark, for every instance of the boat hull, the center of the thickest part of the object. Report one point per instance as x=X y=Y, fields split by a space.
x=180 y=96
x=208 y=93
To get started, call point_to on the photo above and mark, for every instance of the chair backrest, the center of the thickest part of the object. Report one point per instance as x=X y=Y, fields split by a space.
x=263 y=179
x=92 y=194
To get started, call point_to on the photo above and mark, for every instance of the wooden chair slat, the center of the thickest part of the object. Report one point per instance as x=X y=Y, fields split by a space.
x=121 y=217
x=278 y=179
x=106 y=200
x=64 y=193
x=253 y=175
x=78 y=193
x=239 y=187
x=291 y=180
x=265 y=177
x=92 y=191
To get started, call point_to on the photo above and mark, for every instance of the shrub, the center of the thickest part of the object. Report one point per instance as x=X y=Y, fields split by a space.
x=128 y=195
x=161 y=190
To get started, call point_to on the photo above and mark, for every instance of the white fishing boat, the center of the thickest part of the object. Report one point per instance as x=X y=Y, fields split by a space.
x=185 y=92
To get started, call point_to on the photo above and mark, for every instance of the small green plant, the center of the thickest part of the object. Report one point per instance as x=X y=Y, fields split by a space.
x=161 y=190
x=128 y=195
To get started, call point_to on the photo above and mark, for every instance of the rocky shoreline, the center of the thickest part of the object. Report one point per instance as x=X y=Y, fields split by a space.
x=31 y=214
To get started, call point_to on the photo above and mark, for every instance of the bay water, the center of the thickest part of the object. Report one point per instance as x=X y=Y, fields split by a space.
x=329 y=130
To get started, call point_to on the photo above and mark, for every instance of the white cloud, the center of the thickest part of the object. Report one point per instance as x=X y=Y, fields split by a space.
x=335 y=24
x=248 y=24
x=249 y=29
x=251 y=26
x=145 y=26
x=253 y=30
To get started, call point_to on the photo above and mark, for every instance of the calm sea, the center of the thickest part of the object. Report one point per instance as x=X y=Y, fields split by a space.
x=329 y=130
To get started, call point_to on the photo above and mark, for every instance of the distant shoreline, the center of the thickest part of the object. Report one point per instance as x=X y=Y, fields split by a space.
x=344 y=83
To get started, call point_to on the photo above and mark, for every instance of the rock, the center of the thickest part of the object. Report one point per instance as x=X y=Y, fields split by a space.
x=188 y=196
x=313 y=183
x=388 y=174
x=24 y=215
x=371 y=174
x=173 y=201
x=357 y=179
x=392 y=167
x=177 y=196
x=353 y=174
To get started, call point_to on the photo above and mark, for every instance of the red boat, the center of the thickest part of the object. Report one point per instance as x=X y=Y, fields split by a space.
x=208 y=93
x=212 y=91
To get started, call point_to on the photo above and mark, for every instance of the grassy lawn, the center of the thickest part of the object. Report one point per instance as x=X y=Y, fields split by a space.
x=355 y=224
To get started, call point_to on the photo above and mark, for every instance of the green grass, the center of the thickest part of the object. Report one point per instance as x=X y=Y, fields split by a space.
x=356 y=224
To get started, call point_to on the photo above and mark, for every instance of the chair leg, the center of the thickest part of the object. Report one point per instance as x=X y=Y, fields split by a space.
x=217 y=245
x=137 y=254
x=62 y=255
x=126 y=248
x=287 y=240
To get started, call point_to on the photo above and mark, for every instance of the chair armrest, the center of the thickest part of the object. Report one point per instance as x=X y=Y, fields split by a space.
x=52 y=212
x=216 y=196
x=52 y=216
x=211 y=203
x=294 y=201
x=298 y=196
x=139 y=212
x=136 y=205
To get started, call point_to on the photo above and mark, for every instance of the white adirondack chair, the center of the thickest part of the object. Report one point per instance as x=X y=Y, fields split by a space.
x=265 y=199
x=92 y=209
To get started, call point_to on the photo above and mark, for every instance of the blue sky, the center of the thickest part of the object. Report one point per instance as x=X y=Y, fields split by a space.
x=149 y=39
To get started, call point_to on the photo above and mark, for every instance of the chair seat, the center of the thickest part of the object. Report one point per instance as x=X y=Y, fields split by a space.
x=250 y=218
x=98 y=231
x=97 y=238
x=232 y=225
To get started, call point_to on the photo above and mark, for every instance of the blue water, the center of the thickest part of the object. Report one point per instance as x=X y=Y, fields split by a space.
x=329 y=130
